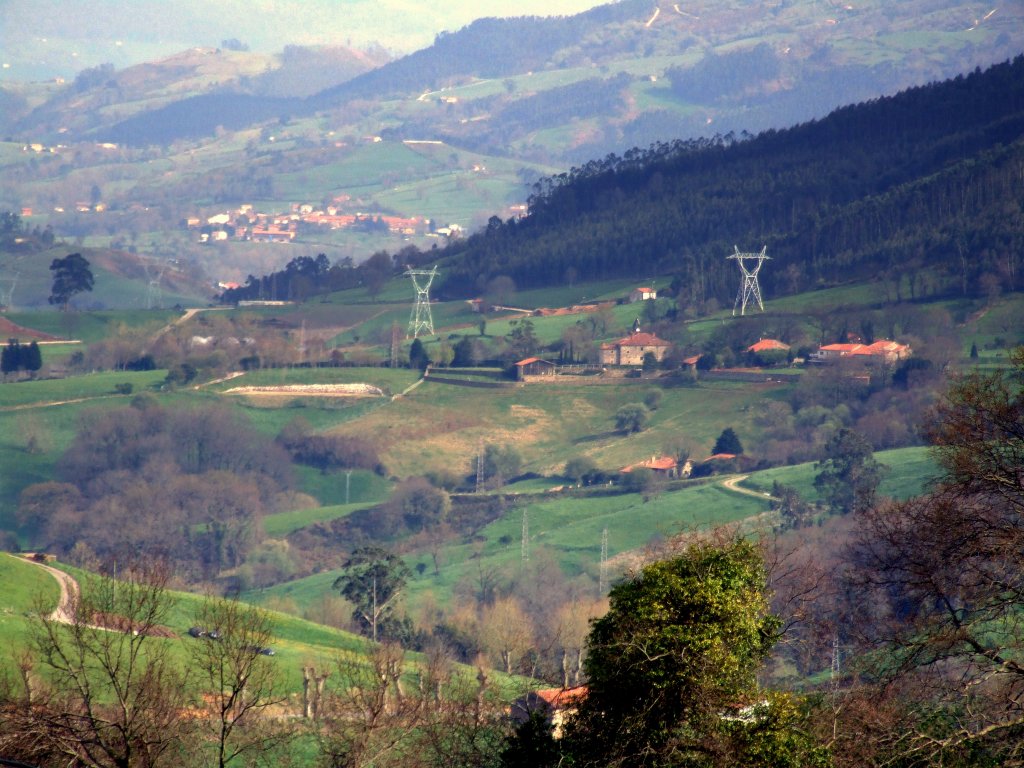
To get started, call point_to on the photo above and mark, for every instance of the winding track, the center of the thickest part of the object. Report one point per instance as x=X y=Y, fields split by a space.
x=64 y=613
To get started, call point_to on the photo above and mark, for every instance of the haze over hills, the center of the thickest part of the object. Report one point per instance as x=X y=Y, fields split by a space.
x=51 y=38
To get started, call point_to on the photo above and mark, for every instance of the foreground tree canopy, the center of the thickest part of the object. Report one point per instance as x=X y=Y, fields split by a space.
x=672 y=670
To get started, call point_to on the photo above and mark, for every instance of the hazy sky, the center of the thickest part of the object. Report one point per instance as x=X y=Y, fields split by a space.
x=45 y=38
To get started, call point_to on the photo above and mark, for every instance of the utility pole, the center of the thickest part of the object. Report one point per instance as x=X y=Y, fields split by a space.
x=602 y=580
x=525 y=546
x=480 y=467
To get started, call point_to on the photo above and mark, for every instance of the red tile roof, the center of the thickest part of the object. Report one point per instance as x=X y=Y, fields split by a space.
x=841 y=348
x=765 y=345
x=557 y=698
x=642 y=339
x=663 y=463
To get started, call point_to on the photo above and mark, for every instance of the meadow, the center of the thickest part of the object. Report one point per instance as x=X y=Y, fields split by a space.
x=25 y=587
x=566 y=529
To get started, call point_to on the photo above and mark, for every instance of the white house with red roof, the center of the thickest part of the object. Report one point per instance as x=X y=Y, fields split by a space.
x=643 y=293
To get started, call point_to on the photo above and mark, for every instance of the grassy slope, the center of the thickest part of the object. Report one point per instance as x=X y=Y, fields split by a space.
x=23 y=587
x=439 y=426
x=297 y=642
x=569 y=529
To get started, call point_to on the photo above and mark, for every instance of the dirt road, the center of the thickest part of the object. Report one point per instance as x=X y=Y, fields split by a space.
x=64 y=613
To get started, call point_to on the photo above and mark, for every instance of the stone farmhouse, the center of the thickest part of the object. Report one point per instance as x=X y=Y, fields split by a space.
x=631 y=349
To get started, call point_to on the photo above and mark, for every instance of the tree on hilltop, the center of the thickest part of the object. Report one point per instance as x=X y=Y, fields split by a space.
x=71 y=275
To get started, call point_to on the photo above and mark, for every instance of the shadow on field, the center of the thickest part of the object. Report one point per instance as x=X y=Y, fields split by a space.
x=599 y=436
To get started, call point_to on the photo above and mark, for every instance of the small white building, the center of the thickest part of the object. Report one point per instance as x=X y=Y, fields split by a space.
x=643 y=293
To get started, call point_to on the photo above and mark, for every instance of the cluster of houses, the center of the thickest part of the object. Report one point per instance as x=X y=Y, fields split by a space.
x=632 y=350
x=245 y=223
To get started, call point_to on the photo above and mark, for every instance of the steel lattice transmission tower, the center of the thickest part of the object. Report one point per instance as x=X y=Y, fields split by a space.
x=421 y=320
x=749 y=289
x=154 y=293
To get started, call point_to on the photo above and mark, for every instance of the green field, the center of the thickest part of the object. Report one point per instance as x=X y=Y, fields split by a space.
x=94 y=326
x=568 y=529
x=439 y=426
x=296 y=642
x=87 y=386
x=909 y=473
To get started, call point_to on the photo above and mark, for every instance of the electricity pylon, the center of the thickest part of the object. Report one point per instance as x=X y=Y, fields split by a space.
x=749 y=289
x=420 y=320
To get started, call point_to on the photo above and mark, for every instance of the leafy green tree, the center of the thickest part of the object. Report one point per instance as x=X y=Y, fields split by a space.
x=418 y=357
x=848 y=476
x=419 y=504
x=672 y=670
x=631 y=417
x=793 y=510
x=10 y=358
x=580 y=469
x=71 y=275
x=501 y=462
x=652 y=399
x=33 y=360
x=372 y=579
x=532 y=745
x=728 y=442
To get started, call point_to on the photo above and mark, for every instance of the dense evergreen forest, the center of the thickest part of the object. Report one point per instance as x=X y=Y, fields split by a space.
x=929 y=177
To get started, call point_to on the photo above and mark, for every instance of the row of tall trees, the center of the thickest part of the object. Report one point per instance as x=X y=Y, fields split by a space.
x=20 y=357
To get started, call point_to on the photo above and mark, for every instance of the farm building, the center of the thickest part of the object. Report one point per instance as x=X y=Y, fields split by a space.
x=768 y=345
x=643 y=293
x=881 y=351
x=534 y=366
x=665 y=466
x=554 y=703
x=631 y=349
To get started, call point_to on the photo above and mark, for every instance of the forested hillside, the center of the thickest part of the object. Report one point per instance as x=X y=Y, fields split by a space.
x=930 y=177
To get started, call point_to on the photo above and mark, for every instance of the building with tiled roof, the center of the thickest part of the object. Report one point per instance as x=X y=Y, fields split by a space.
x=661 y=465
x=643 y=293
x=881 y=351
x=768 y=345
x=555 y=703
x=631 y=349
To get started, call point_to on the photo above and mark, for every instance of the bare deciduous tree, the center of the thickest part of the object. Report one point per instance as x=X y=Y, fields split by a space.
x=944 y=581
x=240 y=681
x=114 y=698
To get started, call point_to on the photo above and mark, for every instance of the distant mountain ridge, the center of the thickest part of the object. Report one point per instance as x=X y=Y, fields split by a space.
x=809 y=64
